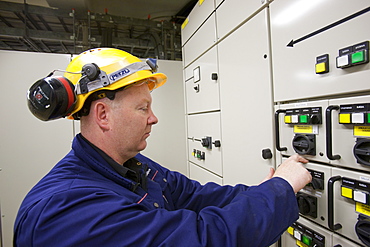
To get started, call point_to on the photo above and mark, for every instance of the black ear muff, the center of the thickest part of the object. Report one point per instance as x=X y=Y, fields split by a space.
x=51 y=98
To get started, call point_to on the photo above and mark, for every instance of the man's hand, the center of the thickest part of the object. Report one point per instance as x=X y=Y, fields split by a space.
x=293 y=172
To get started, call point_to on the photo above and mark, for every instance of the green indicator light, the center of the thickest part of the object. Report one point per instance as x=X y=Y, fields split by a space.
x=303 y=119
x=368 y=118
x=306 y=240
x=358 y=57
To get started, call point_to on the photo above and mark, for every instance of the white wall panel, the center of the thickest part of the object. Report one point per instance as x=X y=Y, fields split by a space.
x=167 y=142
x=29 y=147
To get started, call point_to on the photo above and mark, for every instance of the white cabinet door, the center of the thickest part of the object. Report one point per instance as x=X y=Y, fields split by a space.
x=246 y=102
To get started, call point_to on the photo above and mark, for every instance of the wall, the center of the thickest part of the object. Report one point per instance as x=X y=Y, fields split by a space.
x=166 y=144
x=29 y=147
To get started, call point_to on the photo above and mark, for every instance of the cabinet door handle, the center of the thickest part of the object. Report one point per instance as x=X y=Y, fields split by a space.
x=329 y=134
x=331 y=224
x=277 y=134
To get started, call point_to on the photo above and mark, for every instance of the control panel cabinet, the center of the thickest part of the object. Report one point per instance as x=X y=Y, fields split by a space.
x=202 y=175
x=312 y=199
x=246 y=102
x=348 y=124
x=320 y=48
x=300 y=128
x=241 y=10
x=199 y=14
x=305 y=233
x=202 y=84
x=204 y=141
x=202 y=39
x=349 y=204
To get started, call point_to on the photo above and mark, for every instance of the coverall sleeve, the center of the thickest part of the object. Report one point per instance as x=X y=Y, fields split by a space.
x=90 y=217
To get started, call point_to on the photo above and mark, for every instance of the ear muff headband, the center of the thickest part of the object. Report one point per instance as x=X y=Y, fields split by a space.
x=70 y=92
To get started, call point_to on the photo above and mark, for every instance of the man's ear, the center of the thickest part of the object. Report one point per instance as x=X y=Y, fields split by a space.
x=101 y=113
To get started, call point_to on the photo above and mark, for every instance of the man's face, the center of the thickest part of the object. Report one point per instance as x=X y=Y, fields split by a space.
x=133 y=119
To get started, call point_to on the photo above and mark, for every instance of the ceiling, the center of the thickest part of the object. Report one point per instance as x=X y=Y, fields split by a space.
x=145 y=28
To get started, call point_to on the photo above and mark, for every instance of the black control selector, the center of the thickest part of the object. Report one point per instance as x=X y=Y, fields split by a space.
x=307 y=204
x=304 y=144
x=362 y=229
x=207 y=142
x=317 y=182
x=361 y=151
x=315 y=119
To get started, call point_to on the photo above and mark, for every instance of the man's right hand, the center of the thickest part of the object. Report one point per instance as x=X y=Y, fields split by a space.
x=294 y=172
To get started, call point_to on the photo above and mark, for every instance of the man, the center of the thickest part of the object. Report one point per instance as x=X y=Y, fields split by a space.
x=105 y=193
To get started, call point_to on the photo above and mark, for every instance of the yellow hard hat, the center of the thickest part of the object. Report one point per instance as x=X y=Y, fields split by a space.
x=108 y=69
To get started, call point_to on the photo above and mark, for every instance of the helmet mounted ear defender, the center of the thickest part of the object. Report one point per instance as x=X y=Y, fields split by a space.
x=100 y=69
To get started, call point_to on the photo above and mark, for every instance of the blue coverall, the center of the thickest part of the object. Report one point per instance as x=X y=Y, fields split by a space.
x=83 y=201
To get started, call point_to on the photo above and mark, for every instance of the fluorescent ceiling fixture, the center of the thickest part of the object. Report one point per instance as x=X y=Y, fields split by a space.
x=294 y=11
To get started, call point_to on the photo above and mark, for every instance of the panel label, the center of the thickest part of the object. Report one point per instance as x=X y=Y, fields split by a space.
x=362 y=209
x=306 y=129
x=361 y=131
x=185 y=23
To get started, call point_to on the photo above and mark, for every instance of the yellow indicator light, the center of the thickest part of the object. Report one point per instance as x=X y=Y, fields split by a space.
x=287 y=119
x=290 y=230
x=321 y=68
x=347 y=192
x=344 y=118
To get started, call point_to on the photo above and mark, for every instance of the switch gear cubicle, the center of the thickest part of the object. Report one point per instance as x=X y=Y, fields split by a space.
x=275 y=78
x=321 y=77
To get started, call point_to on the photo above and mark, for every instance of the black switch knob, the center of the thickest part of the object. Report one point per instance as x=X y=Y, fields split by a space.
x=317 y=183
x=214 y=76
x=307 y=204
x=315 y=119
x=266 y=153
x=207 y=142
x=217 y=143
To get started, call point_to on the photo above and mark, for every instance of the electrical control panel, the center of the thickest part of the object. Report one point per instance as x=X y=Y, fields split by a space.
x=300 y=129
x=348 y=129
x=305 y=233
x=204 y=141
x=348 y=204
x=202 y=84
x=321 y=74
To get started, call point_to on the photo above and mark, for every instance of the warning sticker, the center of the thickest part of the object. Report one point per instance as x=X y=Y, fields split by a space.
x=300 y=244
x=361 y=131
x=185 y=23
x=363 y=208
x=306 y=129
